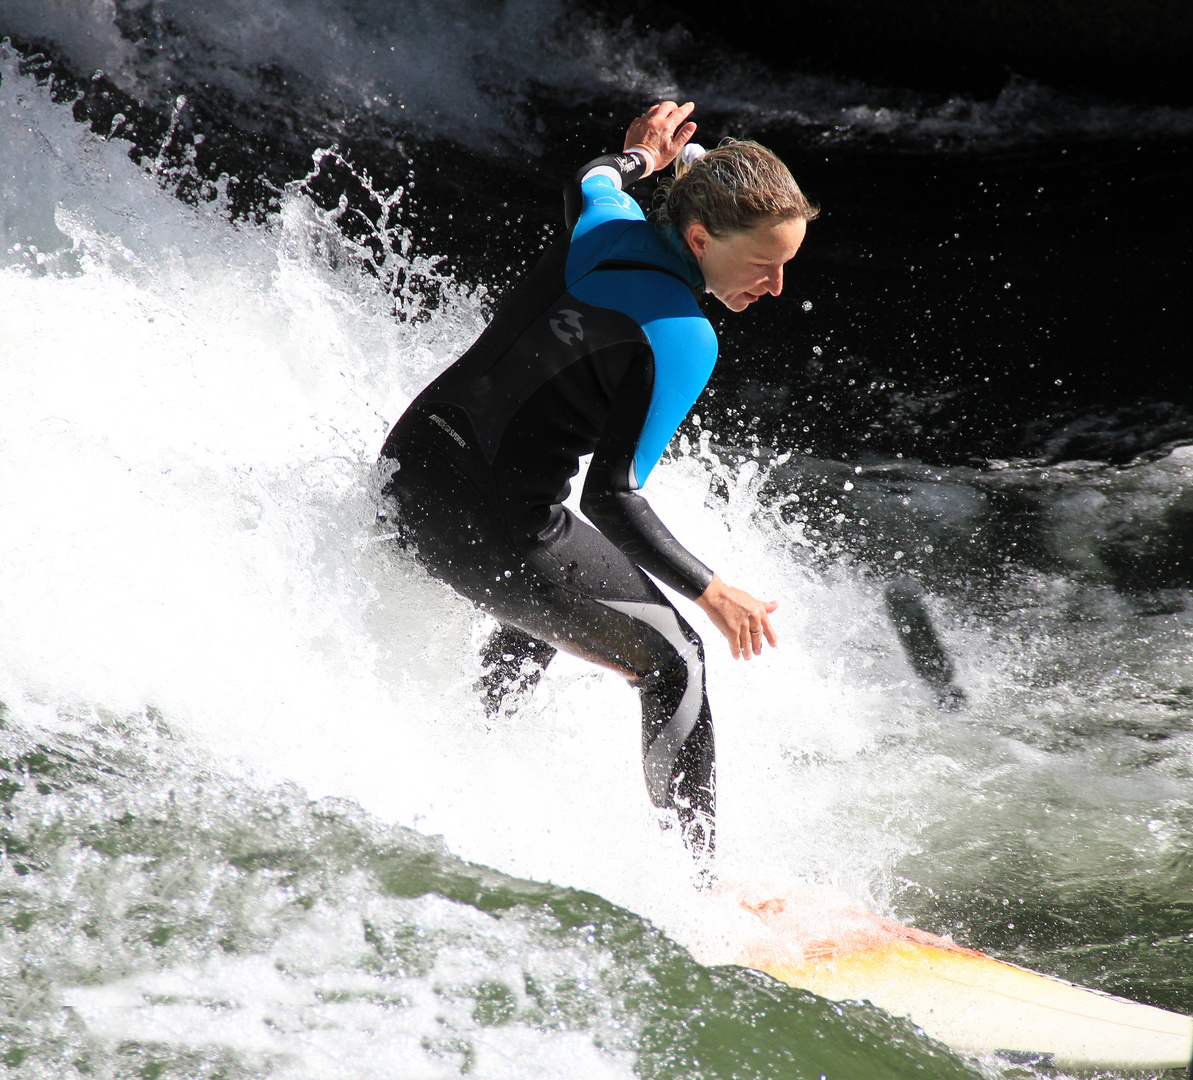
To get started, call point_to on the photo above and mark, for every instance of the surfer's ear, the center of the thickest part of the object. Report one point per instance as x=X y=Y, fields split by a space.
x=698 y=238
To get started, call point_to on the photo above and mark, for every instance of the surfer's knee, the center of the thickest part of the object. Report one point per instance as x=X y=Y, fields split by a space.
x=678 y=683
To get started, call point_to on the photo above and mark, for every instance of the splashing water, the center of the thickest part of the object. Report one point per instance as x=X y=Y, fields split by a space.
x=233 y=715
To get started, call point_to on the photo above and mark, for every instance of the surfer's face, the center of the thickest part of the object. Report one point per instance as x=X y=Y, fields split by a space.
x=743 y=266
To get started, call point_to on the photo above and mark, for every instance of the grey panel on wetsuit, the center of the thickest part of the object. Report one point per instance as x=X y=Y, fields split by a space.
x=659 y=761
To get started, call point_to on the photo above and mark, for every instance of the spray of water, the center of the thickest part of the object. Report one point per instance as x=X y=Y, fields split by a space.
x=188 y=427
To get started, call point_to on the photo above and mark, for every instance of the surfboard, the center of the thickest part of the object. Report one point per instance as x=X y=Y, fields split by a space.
x=969 y=1001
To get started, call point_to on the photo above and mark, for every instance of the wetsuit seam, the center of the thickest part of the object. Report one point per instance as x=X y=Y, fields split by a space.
x=632 y=264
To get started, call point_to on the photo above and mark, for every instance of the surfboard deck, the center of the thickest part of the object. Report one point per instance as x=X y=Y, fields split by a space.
x=817 y=940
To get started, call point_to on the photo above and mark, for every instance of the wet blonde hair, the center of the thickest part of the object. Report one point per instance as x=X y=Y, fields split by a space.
x=732 y=187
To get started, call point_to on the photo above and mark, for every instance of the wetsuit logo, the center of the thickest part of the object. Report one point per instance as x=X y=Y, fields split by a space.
x=572 y=322
x=449 y=429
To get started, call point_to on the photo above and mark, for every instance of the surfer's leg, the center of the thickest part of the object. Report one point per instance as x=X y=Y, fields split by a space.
x=678 y=753
x=513 y=662
x=512 y=659
x=579 y=593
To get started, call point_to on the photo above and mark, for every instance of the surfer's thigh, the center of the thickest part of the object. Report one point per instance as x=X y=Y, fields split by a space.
x=578 y=592
x=441 y=515
x=584 y=596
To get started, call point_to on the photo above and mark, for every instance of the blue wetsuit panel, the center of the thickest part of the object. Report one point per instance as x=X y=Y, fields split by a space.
x=683 y=343
x=613 y=227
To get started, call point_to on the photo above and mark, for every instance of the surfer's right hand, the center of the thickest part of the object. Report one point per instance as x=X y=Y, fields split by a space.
x=743 y=620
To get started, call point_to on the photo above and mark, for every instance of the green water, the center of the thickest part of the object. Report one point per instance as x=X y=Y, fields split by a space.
x=123 y=861
x=166 y=913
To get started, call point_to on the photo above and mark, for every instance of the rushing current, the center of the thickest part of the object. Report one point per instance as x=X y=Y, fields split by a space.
x=248 y=788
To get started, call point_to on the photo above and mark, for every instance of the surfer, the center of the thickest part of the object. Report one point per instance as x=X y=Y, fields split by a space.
x=602 y=349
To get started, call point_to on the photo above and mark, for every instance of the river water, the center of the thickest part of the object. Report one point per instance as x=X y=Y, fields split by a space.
x=250 y=795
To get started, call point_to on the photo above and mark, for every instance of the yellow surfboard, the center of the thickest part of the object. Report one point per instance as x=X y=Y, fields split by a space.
x=817 y=940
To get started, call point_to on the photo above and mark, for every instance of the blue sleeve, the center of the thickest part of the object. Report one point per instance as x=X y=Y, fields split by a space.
x=665 y=376
x=609 y=224
x=683 y=344
x=602 y=179
x=685 y=350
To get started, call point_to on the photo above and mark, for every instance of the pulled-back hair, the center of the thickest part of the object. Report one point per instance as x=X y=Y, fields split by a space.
x=732 y=187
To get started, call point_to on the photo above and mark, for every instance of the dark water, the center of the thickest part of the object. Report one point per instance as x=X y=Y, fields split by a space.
x=987 y=280
x=249 y=795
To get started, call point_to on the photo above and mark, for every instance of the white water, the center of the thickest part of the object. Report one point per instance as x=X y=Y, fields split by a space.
x=189 y=415
x=191 y=411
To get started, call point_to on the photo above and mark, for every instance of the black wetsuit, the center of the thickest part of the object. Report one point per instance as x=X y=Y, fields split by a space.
x=602 y=349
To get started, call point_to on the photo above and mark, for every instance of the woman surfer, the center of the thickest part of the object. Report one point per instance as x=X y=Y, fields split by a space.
x=602 y=349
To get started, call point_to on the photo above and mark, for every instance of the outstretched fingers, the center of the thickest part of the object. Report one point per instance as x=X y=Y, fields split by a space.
x=759 y=627
x=743 y=620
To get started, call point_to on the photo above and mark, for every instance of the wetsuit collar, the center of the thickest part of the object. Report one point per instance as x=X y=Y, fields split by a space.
x=685 y=261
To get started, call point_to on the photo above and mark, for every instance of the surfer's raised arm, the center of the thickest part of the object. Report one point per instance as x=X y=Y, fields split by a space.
x=602 y=350
x=652 y=142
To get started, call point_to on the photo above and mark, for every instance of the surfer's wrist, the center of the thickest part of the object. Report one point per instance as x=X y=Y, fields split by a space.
x=714 y=588
x=647 y=156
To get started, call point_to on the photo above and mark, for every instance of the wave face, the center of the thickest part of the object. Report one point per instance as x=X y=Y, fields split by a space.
x=485 y=74
x=255 y=819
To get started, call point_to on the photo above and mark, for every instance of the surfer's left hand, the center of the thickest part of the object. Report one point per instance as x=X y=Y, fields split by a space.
x=743 y=620
x=662 y=132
